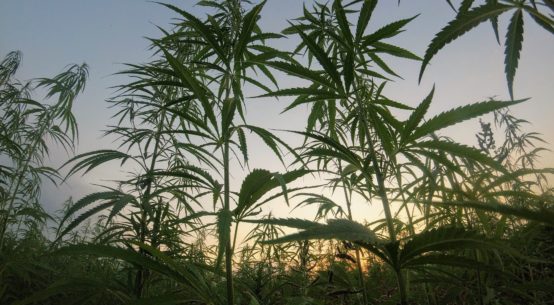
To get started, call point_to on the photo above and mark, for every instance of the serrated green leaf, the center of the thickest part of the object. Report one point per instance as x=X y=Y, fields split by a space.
x=386 y=31
x=202 y=29
x=196 y=86
x=390 y=103
x=84 y=216
x=514 y=42
x=90 y=160
x=460 y=114
x=462 y=151
x=287 y=222
x=381 y=64
x=542 y=20
x=456 y=261
x=242 y=144
x=341 y=229
x=465 y=6
x=250 y=189
x=364 y=17
x=224 y=220
x=89 y=199
x=380 y=47
x=543 y=215
x=417 y=115
x=459 y=26
x=513 y=176
x=323 y=94
x=272 y=141
x=300 y=71
x=494 y=22
x=444 y=239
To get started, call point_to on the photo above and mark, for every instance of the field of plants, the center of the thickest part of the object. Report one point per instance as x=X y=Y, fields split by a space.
x=458 y=224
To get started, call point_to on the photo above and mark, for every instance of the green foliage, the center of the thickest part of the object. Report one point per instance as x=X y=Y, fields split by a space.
x=335 y=229
x=25 y=129
x=469 y=17
x=460 y=225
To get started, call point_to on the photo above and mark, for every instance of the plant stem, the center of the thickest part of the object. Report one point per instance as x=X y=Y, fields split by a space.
x=401 y=287
x=358 y=261
x=378 y=174
x=141 y=273
x=381 y=190
x=228 y=248
x=235 y=235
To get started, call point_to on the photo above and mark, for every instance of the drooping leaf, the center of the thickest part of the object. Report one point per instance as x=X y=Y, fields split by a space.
x=242 y=144
x=461 y=151
x=87 y=200
x=287 y=222
x=543 y=215
x=514 y=41
x=544 y=21
x=90 y=160
x=513 y=176
x=456 y=261
x=227 y=114
x=459 y=26
x=444 y=239
x=494 y=22
x=272 y=141
x=159 y=263
x=249 y=190
x=341 y=229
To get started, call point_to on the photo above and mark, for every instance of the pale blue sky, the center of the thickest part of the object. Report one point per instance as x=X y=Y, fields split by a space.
x=107 y=33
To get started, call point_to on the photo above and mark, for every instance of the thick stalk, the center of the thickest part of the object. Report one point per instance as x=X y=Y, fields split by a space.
x=402 y=287
x=427 y=209
x=141 y=276
x=381 y=190
x=228 y=248
x=388 y=214
x=358 y=261
x=410 y=222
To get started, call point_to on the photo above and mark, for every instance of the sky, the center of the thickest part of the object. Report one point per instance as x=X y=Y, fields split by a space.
x=106 y=33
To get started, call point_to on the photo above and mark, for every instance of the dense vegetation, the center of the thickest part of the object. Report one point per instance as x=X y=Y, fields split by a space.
x=462 y=224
